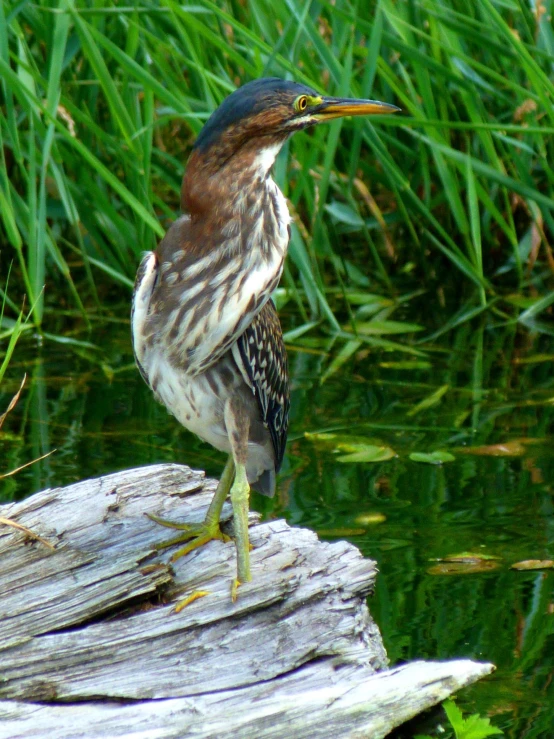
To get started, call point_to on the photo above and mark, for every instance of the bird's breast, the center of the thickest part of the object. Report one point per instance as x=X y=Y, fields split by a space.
x=205 y=298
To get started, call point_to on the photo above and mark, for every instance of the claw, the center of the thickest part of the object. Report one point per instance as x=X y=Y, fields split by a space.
x=196 y=534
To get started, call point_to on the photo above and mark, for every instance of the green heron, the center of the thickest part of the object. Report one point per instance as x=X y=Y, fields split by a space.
x=206 y=335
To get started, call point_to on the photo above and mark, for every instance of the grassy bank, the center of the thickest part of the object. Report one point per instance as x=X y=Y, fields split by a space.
x=100 y=105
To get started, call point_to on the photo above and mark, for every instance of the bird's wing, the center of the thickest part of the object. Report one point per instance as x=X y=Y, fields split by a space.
x=145 y=283
x=203 y=302
x=261 y=356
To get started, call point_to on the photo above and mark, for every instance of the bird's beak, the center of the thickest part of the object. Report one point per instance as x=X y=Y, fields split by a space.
x=331 y=108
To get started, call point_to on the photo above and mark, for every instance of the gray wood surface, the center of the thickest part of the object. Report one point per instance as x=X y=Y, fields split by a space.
x=89 y=629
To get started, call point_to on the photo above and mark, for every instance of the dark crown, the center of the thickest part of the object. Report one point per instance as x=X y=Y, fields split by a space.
x=246 y=101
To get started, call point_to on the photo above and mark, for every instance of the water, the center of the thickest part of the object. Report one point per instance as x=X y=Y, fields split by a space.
x=486 y=395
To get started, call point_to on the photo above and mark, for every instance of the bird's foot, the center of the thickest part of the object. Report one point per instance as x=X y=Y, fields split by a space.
x=195 y=534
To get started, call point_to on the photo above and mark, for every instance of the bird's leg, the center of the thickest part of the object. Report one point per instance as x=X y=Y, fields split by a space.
x=222 y=491
x=198 y=534
x=237 y=424
x=240 y=494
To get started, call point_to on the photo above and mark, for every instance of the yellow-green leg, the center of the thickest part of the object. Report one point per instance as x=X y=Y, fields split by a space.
x=233 y=480
x=240 y=495
x=198 y=534
x=237 y=424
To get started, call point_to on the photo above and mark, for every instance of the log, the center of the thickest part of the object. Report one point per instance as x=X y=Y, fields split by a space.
x=90 y=638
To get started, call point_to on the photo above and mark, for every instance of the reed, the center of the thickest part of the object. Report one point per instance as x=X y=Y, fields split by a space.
x=100 y=104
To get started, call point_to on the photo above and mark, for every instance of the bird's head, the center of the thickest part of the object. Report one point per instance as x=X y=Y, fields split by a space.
x=265 y=112
x=240 y=140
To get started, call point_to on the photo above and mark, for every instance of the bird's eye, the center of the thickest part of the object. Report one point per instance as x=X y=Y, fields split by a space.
x=301 y=103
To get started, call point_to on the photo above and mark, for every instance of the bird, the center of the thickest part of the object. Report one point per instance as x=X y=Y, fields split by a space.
x=206 y=335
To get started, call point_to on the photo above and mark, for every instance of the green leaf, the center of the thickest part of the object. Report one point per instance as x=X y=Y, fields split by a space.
x=429 y=401
x=343 y=213
x=347 y=351
x=474 y=727
x=454 y=715
x=537 y=307
x=358 y=448
x=406 y=365
x=380 y=328
x=367 y=453
x=432 y=457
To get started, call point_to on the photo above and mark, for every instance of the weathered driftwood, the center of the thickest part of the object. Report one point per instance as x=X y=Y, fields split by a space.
x=91 y=627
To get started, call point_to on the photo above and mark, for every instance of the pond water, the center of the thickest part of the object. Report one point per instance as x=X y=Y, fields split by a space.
x=483 y=394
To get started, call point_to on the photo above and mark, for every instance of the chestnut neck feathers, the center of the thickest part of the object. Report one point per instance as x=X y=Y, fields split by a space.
x=224 y=174
x=229 y=192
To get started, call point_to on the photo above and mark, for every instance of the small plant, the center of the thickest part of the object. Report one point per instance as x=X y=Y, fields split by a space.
x=473 y=727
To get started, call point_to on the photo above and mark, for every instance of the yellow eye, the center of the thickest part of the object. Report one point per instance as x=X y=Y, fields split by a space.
x=301 y=103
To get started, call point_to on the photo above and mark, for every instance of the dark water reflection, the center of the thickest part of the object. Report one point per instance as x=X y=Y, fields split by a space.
x=497 y=399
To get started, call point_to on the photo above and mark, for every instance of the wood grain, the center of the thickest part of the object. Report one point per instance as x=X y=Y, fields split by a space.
x=94 y=623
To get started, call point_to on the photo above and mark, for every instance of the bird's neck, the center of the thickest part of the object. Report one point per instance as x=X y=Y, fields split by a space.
x=219 y=181
x=238 y=198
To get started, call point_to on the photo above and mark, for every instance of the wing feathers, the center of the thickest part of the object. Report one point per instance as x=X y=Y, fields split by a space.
x=263 y=364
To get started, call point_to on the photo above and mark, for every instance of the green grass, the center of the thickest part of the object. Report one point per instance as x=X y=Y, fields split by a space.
x=99 y=107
